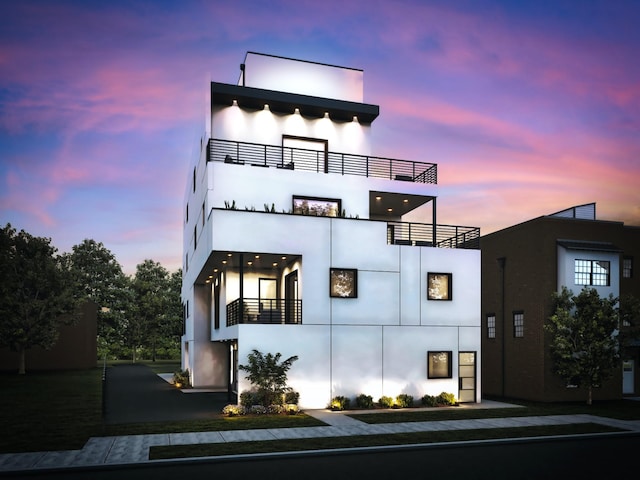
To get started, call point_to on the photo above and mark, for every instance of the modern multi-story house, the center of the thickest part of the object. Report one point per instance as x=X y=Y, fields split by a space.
x=297 y=240
x=521 y=267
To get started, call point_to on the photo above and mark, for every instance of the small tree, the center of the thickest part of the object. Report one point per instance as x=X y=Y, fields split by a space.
x=269 y=375
x=584 y=344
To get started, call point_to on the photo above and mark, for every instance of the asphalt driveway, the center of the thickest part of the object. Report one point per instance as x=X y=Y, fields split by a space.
x=136 y=394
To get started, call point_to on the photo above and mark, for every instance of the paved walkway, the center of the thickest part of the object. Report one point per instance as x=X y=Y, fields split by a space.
x=135 y=448
x=119 y=450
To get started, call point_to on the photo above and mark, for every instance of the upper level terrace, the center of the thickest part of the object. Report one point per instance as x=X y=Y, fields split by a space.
x=320 y=161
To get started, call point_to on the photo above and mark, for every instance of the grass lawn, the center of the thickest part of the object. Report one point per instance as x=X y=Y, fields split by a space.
x=61 y=410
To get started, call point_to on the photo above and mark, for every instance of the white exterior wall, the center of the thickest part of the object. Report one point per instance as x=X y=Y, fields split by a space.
x=265 y=127
x=374 y=344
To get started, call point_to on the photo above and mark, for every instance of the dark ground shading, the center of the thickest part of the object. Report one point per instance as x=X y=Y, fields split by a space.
x=136 y=394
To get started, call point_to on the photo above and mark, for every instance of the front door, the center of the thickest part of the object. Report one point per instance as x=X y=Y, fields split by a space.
x=467 y=377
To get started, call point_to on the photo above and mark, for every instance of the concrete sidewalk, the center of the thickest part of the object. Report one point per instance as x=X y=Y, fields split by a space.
x=134 y=449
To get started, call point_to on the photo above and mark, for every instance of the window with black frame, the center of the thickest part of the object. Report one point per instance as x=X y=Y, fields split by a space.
x=439 y=364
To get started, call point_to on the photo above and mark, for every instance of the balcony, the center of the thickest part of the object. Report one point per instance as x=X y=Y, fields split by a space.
x=429 y=235
x=254 y=311
x=288 y=158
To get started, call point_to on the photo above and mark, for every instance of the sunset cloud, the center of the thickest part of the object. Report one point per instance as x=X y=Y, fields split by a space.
x=527 y=109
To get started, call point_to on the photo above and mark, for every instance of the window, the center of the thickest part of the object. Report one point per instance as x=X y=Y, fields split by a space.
x=320 y=207
x=491 y=325
x=186 y=214
x=194 y=179
x=438 y=286
x=438 y=364
x=592 y=272
x=627 y=267
x=518 y=324
x=343 y=282
x=195 y=237
x=203 y=214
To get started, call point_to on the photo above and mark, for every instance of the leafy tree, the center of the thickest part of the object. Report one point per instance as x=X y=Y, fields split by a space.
x=98 y=277
x=584 y=343
x=629 y=322
x=36 y=294
x=157 y=319
x=269 y=375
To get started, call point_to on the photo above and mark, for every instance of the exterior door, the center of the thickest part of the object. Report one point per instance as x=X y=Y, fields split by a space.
x=467 y=377
x=627 y=377
x=291 y=313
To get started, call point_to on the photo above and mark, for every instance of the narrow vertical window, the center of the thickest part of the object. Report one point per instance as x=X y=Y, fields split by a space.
x=491 y=325
x=518 y=324
x=194 y=179
x=627 y=267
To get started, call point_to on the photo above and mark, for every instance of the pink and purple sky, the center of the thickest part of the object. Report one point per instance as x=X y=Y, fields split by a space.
x=528 y=107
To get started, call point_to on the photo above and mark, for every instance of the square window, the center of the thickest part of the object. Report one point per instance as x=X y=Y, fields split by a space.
x=439 y=286
x=439 y=364
x=343 y=282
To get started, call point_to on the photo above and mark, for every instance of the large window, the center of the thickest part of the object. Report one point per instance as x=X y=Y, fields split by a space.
x=439 y=364
x=491 y=325
x=592 y=272
x=518 y=324
x=320 y=207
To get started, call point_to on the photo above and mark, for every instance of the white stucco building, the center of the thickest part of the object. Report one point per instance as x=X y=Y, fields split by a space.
x=297 y=240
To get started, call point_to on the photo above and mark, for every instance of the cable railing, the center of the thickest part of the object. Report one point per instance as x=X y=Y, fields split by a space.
x=264 y=311
x=428 y=235
x=289 y=158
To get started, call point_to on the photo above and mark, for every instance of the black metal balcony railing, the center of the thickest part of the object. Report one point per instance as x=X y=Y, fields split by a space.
x=321 y=161
x=256 y=311
x=424 y=234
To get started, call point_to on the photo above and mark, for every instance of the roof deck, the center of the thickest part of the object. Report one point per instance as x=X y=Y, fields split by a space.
x=320 y=161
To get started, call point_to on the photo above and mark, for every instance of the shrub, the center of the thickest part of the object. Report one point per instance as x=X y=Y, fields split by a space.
x=182 y=379
x=233 y=410
x=364 y=401
x=385 y=402
x=291 y=409
x=291 y=397
x=441 y=400
x=258 y=410
x=251 y=397
x=404 y=401
x=447 y=398
x=429 y=401
x=340 y=403
x=268 y=374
